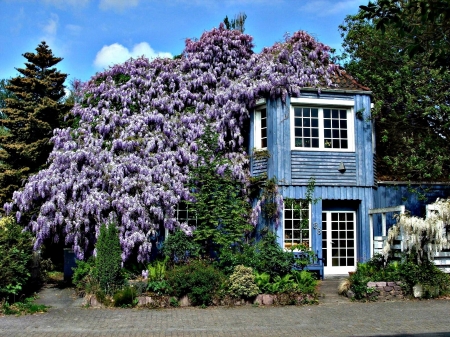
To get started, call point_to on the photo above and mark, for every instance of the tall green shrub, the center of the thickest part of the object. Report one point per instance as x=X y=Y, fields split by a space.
x=109 y=260
x=16 y=257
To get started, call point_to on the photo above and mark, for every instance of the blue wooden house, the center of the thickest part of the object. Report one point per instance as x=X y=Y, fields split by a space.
x=326 y=136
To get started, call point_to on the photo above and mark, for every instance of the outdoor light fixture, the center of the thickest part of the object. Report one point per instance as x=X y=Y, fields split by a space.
x=341 y=167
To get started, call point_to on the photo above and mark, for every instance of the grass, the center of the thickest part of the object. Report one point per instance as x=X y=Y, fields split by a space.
x=22 y=308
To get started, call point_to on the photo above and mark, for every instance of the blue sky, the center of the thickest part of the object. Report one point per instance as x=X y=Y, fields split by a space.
x=92 y=34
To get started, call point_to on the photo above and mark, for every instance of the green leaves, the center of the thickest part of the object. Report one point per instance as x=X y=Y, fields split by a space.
x=109 y=261
x=219 y=203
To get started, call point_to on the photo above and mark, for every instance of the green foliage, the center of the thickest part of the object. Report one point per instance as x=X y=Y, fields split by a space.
x=125 y=297
x=16 y=257
x=271 y=258
x=426 y=274
x=425 y=24
x=198 y=280
x=411 y=96
x=295 y=282
x=34 y=109
x=407 y=271
x=242 y=282
x=237 y=23
x=220 y=205
x=230 y=257
x=159 y=287
x=85 y=277
x=180 y=248
x=108 y=261
x=264 y=256
x=22 y=308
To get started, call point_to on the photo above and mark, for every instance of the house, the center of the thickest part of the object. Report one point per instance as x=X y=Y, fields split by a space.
x=327 y=136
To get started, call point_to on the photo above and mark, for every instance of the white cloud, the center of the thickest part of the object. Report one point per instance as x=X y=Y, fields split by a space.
x=117 y=4
x=327 y=7
x=116 y=53
x=51 y=27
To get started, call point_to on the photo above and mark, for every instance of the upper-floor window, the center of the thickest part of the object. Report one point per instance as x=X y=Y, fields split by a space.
x=322 y=128
x=261 y=128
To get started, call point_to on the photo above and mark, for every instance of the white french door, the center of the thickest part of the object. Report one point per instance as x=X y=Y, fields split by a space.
x=339 y=241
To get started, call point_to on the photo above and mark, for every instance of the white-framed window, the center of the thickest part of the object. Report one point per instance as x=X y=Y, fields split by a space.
x=185 y=215
x=325 y=127
x=261 y=128
x=296 y=223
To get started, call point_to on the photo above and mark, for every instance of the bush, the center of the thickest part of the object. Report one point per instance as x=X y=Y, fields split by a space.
x=125 y=297
x=271 y=258
x=266 y=256
x=434 y=281
x=85 y=277
x=179 y=248
x=198 y=280
x=16 y=258
x=242 y=282
x=109 y=261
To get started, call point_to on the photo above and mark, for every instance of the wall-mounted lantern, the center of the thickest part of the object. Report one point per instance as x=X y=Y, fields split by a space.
x=341 y=167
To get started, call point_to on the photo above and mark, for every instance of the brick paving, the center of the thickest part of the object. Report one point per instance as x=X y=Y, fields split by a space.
x=427 y=318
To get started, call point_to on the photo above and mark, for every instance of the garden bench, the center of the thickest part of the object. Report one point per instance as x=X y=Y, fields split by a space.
x=313 y=262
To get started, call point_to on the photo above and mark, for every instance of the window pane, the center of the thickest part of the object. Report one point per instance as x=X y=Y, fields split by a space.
x=315 y=132
x=306 y=122
x=334 y=113
x=306 y=133
x=326 y=113
x=344 y=144
x=306 y=112
x=343 y=114
x=298 y=122
x=315 y=143
x=314 y=113
x=263 y=133
x=315 y=123
x=263 y=123
x=327 y=123
x=297 y=112
x=264 y=142
x=298 y=132
x=327 y=133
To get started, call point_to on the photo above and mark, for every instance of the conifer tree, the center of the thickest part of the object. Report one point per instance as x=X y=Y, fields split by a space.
x=33 y=112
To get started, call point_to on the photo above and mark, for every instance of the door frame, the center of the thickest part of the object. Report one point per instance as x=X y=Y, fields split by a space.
x=339 y=270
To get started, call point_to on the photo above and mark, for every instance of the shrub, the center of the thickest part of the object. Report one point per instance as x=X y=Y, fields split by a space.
x=242 y=282
x=306 y=282
x=85 y=277
x=16 y=258
x=109 y=262
x=271 y=258
x=125 y=297
x=232 y=256
x=179 y=248
x=198 y=280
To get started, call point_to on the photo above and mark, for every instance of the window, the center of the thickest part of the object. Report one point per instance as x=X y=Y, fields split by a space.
x=322 y=128
x=185 y=215
x=261 y=128
x=296 y=223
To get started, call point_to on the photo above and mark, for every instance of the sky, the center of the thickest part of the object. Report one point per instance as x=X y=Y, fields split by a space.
x=91 y=35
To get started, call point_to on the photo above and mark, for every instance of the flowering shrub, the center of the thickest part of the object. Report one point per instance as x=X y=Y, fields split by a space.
x=242 y=282
x=136 y=132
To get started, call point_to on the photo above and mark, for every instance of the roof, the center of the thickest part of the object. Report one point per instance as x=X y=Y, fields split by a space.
x=344 y=80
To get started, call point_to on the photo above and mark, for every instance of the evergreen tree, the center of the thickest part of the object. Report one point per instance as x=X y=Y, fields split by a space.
x=33 y=112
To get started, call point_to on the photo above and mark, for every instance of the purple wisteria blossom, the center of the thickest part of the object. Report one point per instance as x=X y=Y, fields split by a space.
x=140 y=123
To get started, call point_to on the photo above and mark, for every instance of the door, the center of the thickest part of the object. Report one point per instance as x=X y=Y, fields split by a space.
x=339 y=241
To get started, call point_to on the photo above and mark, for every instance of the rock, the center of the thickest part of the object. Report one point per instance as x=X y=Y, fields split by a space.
x=145 y=300
x=388 y=289
x=371 y=284
x=267 y=299
x=184 y=301
x=258 y=300
x=350 y=294
x=380 y=284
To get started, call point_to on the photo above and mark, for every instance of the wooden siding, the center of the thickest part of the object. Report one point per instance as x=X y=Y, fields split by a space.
x=414 y=196
x=364 y=201
x=323 y=166
x=278 y=140
x=363 y=142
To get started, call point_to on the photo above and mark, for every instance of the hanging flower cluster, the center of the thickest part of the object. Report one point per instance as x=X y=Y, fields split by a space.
x=139 y=128
x=422 y=237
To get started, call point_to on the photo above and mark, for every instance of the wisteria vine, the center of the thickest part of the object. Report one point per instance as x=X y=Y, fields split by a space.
x=140 y=123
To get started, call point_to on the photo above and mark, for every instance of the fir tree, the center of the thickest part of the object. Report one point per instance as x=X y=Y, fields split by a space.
x=33 y=112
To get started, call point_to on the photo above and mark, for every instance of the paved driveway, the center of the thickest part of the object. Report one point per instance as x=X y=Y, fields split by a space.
x=66 y=318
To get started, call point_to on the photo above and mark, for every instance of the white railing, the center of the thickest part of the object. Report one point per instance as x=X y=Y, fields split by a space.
x=383 y=212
